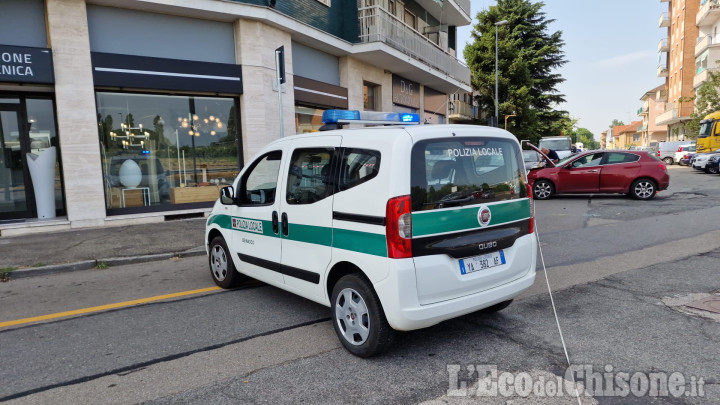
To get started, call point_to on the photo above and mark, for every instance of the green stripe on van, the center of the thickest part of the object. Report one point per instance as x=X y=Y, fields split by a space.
x=466 y=218
x=363 y=242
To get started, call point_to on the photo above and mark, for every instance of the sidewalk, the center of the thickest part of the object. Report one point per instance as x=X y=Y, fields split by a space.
x=30 y=255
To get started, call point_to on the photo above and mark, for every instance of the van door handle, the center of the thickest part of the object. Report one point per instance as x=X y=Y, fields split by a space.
x=285 y=225
x=275 y=226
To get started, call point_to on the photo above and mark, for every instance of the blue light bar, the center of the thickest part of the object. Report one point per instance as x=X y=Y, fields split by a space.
x=368 y=117
x=334 y=116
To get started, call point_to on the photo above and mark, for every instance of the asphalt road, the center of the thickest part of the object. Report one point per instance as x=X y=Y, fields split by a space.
x=622 y=270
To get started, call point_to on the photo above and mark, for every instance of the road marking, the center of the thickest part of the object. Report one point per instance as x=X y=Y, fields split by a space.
x=106 y=307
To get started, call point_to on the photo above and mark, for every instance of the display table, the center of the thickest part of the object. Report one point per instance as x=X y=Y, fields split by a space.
x=180 y=195
x=145 y=191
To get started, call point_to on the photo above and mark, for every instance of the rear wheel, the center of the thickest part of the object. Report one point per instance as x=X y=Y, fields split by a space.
x=358 y=317
x=643 y=189
x=711 y=169
x=668 y=161
x=543 y=189
x=222 y=267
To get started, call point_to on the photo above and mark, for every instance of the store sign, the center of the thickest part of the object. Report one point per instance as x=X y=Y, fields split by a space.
x=142 y=72
x=26 y=65
x=405 y=92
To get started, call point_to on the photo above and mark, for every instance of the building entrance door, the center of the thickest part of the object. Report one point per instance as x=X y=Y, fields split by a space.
x=16 y=200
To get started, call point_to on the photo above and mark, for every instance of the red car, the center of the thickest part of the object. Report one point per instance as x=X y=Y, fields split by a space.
x=632 y=172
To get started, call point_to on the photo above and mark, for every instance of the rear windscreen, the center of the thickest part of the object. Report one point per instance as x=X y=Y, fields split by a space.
x=464 y=171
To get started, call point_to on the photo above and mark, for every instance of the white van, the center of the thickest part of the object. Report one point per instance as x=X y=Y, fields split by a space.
x=667 y=150
x=393 y=227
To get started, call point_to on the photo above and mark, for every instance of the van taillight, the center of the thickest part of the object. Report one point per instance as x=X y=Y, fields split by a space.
x=532 y=208
x=398 y=227
x=658 y=153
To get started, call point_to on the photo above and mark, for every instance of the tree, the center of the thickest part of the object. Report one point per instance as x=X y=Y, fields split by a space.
x=527 y=57
x=616 y=123
x=587 y=138
x=706 y=102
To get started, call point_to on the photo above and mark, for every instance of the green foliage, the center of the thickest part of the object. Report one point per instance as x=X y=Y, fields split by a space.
x=587 y=138
x=102 y=266
x=527 y=57
x=706 y=102
x=616 y=123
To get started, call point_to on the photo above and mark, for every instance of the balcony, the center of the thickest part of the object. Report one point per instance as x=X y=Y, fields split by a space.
x=664 y=21
x=661 y=96
x=459 y=110
x=642 y=110
x=377 y=26
x=674 y=115
x=663 y=45
x=702 y=77
x=450 y=12
x=708 y=14
x=662 y=71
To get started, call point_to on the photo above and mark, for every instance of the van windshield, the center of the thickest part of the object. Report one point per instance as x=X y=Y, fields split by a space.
x=464 y=171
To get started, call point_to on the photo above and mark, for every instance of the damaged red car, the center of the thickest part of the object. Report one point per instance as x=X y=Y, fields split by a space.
x=636 y=173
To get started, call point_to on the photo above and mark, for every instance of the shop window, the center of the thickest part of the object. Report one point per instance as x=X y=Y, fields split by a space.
x=162 y=151
x=308 y=119
x=371 y=96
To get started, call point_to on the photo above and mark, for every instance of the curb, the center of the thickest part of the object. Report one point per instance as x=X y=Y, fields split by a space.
x=91 y=264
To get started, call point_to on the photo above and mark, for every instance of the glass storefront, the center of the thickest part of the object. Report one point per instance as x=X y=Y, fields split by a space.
x=308 y=119
x=166 y=152
x=30 y=173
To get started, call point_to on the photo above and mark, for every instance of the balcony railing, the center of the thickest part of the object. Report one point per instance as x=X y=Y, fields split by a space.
x=663 y=45
x=662 y=71
x=461 y=110
x=702 y=76
x=377 y=25
x=664 y=22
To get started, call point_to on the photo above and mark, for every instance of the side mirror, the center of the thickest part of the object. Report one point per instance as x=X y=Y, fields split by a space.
x=227 y=195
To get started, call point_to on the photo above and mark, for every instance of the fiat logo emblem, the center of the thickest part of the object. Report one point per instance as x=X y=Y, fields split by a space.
x=484 y=216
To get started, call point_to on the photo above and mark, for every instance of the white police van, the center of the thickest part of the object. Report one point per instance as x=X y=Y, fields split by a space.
x=392 y=227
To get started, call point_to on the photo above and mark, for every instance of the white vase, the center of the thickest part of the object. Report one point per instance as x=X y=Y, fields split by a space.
x=130 y=174
x=42 y=172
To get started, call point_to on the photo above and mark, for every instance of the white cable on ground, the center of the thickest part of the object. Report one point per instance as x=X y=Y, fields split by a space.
x=552 y=302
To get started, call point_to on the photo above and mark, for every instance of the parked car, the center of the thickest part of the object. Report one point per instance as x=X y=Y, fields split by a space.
x=699 y=162
x=713 y=165
x=682 y=151
x=636 y=173
x=686 y=159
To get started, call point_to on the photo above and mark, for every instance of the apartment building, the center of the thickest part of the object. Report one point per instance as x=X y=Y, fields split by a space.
x=116 y=112
x=677 y=64
x=707 y=49
x=653 y=106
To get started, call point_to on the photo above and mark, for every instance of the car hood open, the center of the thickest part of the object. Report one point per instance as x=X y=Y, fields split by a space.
x=548 y=162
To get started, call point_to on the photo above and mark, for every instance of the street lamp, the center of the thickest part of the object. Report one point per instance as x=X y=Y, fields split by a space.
x=506 y=117
x=497 y=24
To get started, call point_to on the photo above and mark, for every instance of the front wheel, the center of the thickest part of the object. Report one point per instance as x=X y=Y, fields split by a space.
x=711 y=169
x=543 y=189
x=668 y=161
x=222 y=267
x=643 y=189
x=358 y=317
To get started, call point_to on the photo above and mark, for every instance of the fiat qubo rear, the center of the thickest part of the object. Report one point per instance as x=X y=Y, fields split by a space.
x=462 y=239
x=393 y=228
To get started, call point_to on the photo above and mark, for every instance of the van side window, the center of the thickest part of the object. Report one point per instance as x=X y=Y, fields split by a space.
x=358 y=166
x=309 y=177
x=259 y=183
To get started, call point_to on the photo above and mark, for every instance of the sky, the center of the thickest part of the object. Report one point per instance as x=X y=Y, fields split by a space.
x=611 y=52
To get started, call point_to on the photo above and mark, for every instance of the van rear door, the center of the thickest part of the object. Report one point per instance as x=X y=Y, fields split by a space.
x=470 y=212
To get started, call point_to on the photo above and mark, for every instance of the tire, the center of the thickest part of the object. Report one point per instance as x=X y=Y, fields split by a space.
x=668 y=161
x=712 y=169
x=643 y=189
x=358 y=317
x=497 y=307
x=222 y=268
x=543 y=189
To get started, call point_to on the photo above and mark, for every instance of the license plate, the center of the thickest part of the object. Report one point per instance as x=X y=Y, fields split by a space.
x=482 y=262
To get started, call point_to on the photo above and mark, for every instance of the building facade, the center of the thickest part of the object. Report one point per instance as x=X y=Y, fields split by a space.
x=652 y=107
x=118 y=112
x=626 y=136
x=676 y=63
x=707 y=49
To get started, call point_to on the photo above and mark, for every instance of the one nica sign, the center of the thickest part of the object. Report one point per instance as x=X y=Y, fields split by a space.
x=26 y=65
